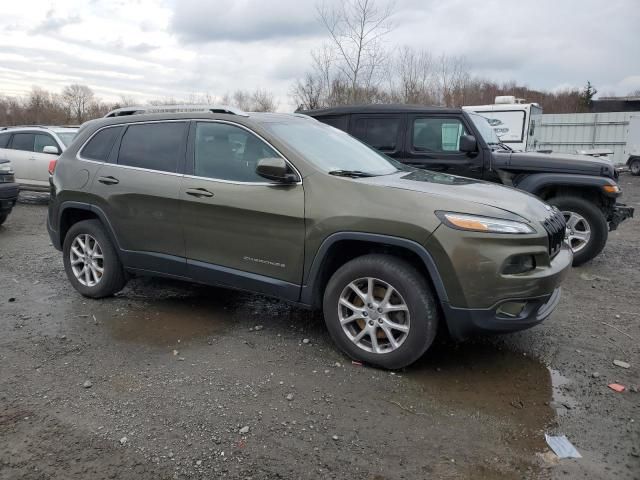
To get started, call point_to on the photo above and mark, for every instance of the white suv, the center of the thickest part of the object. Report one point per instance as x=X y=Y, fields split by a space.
x=31 y=148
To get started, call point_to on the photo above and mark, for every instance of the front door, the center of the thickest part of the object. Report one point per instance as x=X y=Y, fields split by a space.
x=138 y=190
x=240 y=229
x=433 y=142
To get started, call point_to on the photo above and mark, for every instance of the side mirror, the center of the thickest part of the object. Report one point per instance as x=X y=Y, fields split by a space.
x=51 y=150
x=468 y=144
x=275 y=169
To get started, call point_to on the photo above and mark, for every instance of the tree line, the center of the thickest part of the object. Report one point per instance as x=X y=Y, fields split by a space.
x=78 y=103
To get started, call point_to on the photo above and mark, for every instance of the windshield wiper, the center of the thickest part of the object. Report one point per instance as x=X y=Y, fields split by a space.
x=350 y=173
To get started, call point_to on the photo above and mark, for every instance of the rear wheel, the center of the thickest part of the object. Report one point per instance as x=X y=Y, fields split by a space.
x=634 y=167
x=91 y=261
x=380 y=309
x=587 y=228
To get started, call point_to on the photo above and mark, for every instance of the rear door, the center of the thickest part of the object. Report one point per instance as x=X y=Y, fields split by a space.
x=382 y=132
x=240 y=229
x=138 y=190
x=433 y=142
x=21 y=156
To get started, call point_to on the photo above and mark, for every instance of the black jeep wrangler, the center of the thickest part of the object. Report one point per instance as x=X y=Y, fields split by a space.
x=454 y=141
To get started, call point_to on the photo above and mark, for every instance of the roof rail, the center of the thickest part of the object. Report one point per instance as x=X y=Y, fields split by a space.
x=139 y=110
x=24 y=126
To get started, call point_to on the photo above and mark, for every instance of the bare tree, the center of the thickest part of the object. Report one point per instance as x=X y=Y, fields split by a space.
x=263 y=101
x=415 y=76
x=77 y=98
x=308 y=92
x=357 y=29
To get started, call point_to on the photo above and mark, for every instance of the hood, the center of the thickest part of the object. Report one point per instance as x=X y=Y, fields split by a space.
x=461 y=189
x=554 y=163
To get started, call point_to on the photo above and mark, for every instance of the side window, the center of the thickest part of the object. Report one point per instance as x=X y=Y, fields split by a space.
x=439 y=135
x=227 y=152
x=4 y=139
x=100 y=145
x=336 y=121
x=23 y=141
x=155 y=146
x=380 y=133
x=43 y=140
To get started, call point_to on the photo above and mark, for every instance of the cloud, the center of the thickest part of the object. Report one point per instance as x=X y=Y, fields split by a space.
x=243 y=20
x=53 y=24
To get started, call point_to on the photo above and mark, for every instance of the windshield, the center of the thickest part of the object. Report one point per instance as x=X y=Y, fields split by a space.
x=331 y=149
x=484 y=127
x=66 y=137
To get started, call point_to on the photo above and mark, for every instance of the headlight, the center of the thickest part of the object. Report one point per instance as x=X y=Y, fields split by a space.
x=476 y=223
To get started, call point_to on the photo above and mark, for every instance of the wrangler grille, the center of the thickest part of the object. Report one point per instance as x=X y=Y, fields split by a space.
x=555 y=225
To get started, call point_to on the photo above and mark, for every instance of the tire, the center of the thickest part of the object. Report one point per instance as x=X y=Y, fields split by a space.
x=411 y=289
x=112 y=279
x=634 y=167
x=3 y=217
x=594 y=218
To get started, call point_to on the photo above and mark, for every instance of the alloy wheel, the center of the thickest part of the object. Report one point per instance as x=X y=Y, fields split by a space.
x=87 y=260
x=373 y=315
x=578 y=231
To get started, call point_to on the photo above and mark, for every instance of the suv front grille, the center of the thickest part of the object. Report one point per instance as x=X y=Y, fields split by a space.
x=555 y=225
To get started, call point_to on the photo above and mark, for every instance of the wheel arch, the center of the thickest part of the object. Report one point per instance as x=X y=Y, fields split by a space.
x=341 y=247
x=73 y=212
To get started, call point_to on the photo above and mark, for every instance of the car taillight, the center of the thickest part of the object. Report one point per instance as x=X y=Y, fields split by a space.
x=52 y=166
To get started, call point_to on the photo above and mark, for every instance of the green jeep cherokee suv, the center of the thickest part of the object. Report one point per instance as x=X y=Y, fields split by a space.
x=283 y=205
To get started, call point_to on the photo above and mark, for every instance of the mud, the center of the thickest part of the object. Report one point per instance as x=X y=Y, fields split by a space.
x=176 y=371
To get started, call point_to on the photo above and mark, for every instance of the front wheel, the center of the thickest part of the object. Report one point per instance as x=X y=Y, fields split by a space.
x=587 y=228
x=3 y=217
x=381 y=310
x=634 y=167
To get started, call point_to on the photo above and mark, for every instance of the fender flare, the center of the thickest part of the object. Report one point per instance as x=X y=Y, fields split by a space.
x=535 y=182
x=308 y=288
x=91 y=208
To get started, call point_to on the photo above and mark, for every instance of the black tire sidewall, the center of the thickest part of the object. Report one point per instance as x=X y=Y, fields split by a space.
x=636 y=163
x=597 y=223
x=3 y=217
x=113 y=278
x=410 y=284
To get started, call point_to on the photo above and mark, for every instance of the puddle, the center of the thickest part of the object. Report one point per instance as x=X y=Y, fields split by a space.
x=501 y=389
x=172 y=321
x=562 y=401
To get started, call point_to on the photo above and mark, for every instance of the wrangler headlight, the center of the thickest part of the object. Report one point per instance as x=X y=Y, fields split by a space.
x=476 y=223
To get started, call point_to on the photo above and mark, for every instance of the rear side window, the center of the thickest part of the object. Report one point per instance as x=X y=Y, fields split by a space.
x=4 y=140
x=43 y=140
x=23 y=141
x=100 y=145
x=155 y=146
x=380 y=133
x=337 y=122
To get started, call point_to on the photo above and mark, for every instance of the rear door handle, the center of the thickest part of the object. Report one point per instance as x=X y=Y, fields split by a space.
x=108 y=180
x=198 y=192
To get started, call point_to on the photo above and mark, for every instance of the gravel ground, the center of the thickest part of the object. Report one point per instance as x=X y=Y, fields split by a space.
x=170 y=380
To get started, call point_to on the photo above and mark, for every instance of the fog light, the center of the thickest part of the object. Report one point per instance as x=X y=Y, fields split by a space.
x=519 y=264
x=511 y=309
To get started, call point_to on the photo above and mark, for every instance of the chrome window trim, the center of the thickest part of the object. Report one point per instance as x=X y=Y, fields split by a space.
x=194 y=177
x=293 y=167
x=142 y=169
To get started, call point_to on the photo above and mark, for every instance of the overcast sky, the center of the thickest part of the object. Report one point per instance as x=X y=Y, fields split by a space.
x=152 y=49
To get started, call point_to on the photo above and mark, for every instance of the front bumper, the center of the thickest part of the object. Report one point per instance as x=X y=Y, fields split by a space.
x=463 y=322
x=8 y=196
x=620 y=213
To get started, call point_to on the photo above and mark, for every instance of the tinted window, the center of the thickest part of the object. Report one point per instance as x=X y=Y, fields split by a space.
x=44 y=141
x=4 y=139
x=99 y=147
x=227 y=152
x=23 y=141
x=337 y=122
x=441 y=135
x=380 y=133
x=156 y=146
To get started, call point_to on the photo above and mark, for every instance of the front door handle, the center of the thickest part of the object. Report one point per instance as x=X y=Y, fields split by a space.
x=108 y=180
x=198 y=192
